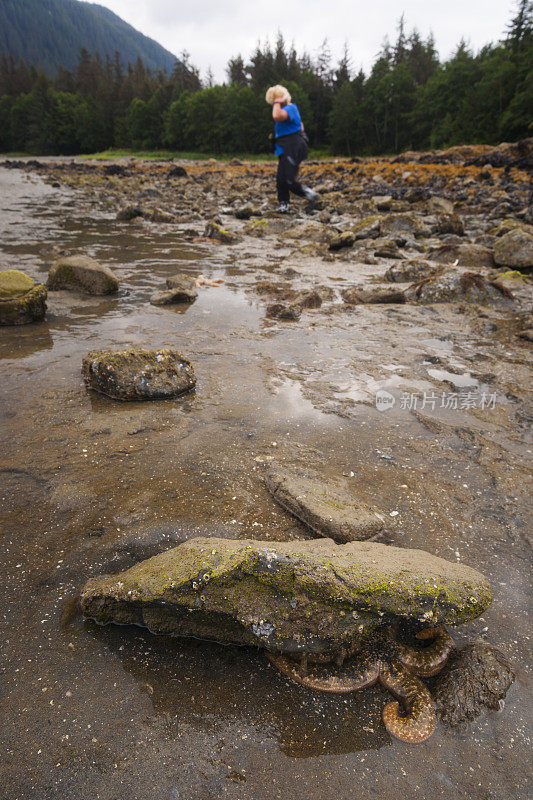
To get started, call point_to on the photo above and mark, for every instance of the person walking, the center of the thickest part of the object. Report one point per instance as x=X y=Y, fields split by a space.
x=290 y=147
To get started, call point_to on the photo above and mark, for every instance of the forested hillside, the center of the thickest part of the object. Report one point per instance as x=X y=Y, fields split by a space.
x=50 y=33
x=408 y=100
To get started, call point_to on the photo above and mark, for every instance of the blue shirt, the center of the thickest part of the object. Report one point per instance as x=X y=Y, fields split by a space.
x=291 y=125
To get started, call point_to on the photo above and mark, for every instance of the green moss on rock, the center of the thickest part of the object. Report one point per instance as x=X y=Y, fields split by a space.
x=311 y=596
x=14 y=283
x=24 y=308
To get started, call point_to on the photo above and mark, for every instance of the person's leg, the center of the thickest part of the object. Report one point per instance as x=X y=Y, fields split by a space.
x=281 y=181
x=291 y=174
x=294 y=185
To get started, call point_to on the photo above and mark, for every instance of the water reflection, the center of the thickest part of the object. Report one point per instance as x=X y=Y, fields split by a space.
x=204 y=684
x=20 y=341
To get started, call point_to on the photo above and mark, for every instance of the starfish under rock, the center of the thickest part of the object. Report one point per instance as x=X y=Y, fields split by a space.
x=396 y=666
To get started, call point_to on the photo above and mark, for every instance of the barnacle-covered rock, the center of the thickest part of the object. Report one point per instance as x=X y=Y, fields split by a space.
x=138 y=374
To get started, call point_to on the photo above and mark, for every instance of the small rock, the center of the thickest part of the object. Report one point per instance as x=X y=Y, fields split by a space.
x=177 y=172
x=508 y=225
x=171 y=296
x=215 y=231
x=475 y=678
x=138 y=373
x=284 y=311
x=382 y=202
x=367 y=228
x=415 y=195
x=310 y=299
x=388 y=249
x=344 y=239
x=312 y=231
x=450 y=223
x=244 y=212
x=439 y=205
x=411 y=270
x=327 y=509
x=185 y=285
x=394 y=224
x=380 y=294
x=158 y=215
x=83 y=274
x=466 y=255
x=115 y=169
x=527 y=335
x=129 y=213
x=467 y=287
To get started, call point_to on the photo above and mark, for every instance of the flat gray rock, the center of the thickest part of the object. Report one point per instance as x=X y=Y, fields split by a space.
x=300 y=596
x=329 y=510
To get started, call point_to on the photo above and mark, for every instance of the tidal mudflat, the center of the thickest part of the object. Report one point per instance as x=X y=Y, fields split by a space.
x=89 y=485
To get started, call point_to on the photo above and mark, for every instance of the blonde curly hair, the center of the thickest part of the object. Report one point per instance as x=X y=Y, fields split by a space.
x=277 y=93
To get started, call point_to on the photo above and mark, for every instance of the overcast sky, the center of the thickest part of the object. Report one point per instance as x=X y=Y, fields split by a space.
x=214 y=30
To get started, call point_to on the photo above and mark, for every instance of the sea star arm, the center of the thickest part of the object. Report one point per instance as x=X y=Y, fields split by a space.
x=426 y=661
x=330 y=678
x=417 y=723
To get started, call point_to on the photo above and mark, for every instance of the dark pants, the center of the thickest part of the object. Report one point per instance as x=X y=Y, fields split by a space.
x=286 y=179
x=294 y=152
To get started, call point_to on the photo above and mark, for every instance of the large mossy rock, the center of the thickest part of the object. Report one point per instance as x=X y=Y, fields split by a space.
x=138 y=374
x=21 y=300
x=84 y=274
x=300 y=596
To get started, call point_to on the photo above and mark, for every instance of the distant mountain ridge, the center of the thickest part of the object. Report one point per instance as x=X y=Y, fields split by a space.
x=50 y=33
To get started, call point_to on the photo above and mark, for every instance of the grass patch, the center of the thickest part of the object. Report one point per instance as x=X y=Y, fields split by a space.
x=166 y=155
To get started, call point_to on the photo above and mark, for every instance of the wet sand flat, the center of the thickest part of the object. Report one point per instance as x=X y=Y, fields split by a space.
x=89 y=486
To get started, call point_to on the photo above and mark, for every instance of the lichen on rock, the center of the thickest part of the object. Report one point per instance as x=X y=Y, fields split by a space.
x=299 y=596
x=13 y=283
